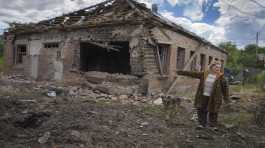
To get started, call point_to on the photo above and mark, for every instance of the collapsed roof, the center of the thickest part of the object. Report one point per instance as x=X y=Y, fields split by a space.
x=126 y=12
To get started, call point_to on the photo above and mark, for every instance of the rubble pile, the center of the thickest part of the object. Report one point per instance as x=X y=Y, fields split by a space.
x=116 y=84
x=90 y=85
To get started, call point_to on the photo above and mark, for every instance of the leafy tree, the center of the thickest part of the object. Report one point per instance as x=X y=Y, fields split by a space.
x=246 y=57
x=249 y=58
x=234 y=56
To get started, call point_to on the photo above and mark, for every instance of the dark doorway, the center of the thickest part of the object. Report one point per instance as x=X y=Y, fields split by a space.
x=194 y=61
x=180 y=58
x=96 y=58
x=21 y=51
x=203 y=62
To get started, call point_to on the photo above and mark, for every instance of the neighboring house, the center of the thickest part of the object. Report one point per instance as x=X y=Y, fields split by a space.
x=116 y=36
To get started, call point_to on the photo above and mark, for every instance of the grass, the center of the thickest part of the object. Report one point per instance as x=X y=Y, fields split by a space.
x=238 y=118
x=153 y=110
x=246 y=89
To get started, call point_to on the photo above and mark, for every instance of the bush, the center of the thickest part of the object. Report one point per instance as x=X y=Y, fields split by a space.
x=261 y=79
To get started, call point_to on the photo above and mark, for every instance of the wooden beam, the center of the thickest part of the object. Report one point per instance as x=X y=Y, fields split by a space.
x=159 y=60
x=104 y=46
x=164 y=33
x=131 y=4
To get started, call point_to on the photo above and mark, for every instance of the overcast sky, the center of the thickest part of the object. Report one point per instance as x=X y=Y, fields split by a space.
x=214 y=20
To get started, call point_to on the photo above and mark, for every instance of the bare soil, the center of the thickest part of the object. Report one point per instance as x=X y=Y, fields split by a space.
x=30 y=119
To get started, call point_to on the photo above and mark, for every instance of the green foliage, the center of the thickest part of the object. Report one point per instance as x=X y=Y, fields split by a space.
x=234 y=56
x=154 y=110
x=248 y=56
x=238 y=119
x=242 y=58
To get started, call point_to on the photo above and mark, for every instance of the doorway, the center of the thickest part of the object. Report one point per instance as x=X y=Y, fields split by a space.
x=180 y=58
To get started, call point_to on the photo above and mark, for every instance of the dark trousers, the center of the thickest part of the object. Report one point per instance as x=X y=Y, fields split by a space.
x=203 y=114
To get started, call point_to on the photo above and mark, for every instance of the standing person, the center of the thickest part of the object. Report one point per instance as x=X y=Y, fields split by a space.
x=213 y=88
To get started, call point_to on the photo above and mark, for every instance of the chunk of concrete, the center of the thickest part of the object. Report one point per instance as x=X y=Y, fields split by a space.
x=158 y=101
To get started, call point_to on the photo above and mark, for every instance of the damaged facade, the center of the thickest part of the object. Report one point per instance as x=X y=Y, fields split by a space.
x=116 y=36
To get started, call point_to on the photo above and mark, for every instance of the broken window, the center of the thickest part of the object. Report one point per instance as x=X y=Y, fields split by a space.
x=51 y=45
x=210 y=60
x=180 y=58
x=111 y=57
x=21 y=52
x=163 y=53
x=203 y=62
x=194 y=61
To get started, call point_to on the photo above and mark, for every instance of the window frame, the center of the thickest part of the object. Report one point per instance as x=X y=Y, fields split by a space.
x=19 y=54
x=51 y=45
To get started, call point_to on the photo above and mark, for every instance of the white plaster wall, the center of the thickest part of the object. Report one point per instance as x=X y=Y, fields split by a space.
x=34 y=47
x=58 y=66
x=34 y=66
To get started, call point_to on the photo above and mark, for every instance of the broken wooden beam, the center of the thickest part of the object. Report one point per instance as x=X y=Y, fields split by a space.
x=106 y=46
x=159 y=60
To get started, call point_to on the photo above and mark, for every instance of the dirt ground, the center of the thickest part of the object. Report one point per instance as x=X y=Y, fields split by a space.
x=31 y=119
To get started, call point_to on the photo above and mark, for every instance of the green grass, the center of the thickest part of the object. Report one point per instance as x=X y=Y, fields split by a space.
x=238 y=118
x=153 y=110
x=246 y=89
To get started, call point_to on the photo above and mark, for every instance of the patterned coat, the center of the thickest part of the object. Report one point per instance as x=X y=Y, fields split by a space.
x=219 y=93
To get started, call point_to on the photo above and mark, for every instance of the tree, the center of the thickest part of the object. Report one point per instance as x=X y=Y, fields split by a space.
x=234 y=55
x=249 y=58
x=239 y=59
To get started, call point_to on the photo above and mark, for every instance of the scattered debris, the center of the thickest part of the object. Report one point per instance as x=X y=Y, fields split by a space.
x=82 y=116
x=44 y=138
x=158 y=101
x=51 y=94
x=235 y=97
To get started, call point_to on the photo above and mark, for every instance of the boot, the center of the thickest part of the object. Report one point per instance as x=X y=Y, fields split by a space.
x=202 y=117
x=213 y=117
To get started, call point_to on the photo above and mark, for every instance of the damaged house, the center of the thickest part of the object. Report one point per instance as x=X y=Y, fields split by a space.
x=116 y=36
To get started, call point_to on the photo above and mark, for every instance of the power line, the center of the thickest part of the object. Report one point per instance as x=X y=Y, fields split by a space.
x=239 y=10
x=243 y=12
x=258 y=3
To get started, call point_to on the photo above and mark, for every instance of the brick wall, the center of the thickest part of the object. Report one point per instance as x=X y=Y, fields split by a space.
x=9 y=51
